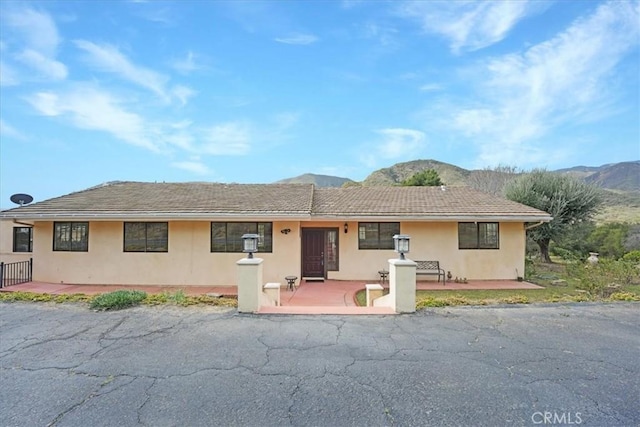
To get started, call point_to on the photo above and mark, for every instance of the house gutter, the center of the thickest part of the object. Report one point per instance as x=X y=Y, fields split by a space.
x=165 y=216
x=538 y=224
x=15 y=221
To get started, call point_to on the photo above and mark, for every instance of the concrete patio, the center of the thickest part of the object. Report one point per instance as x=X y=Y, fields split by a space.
x=327 y=297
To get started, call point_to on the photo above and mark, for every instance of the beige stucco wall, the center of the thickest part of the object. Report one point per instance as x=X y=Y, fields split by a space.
x=6 y=243
x=190 y=262
x=436 y=241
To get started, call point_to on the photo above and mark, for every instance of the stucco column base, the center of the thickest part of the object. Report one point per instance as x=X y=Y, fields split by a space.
x=373 y=291
x=402 y=287
x=272 y=291
x=249 y=284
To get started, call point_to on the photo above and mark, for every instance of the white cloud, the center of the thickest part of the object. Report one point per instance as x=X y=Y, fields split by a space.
x=188 y=64
x=47 y=67
x=183 y=93
x=8 y=131
x=37 y=28
x=109 y=59
x=8 y=76
x=469 y=25
x=395 y=143
x=566 y=79
x=398 y=142
x=194 y=166
x=90 y=108
x=232 y=139
x=386 y=36
x=299 y=39
x=431 y=87
x=39 y=35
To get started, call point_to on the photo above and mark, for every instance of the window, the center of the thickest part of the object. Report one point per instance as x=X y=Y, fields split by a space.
x=478 y=235
x=146 y=237
x=71 y=236
x=22 y=239
x=331 y=251
x=227 y=236
x=377 y=235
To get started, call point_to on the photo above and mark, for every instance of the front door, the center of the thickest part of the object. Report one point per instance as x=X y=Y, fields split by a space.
x=313 y=253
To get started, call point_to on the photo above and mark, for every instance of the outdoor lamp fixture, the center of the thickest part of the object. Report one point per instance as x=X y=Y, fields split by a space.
x=285 y=231
x=250 y=244
x=346 y=228
x=401 y=244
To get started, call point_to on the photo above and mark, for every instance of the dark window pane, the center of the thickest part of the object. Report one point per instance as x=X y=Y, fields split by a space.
x=227 y=236
x=157 y=237
x=467 y=235
x=488 y=235
x=331 y=251
x=235 y=231
x=71 y=236
x=22 y=239
x=483 y=235
x=265 y=241
x=374 y=235
x=146 y=237
x=387 y=231
x=62 y=236
x=368 y=235
x=79 y=234
x=134 y=237
x=218 y=237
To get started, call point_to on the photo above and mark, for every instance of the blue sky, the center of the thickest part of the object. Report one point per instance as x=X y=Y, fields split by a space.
x=257 y=91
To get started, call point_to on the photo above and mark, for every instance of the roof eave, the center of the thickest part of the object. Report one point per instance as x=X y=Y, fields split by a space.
x=437 y=218
x=271 y=216
x=156 y=216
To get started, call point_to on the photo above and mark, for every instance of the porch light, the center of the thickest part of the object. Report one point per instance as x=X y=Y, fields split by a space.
x=401 y=244
x=250 y=244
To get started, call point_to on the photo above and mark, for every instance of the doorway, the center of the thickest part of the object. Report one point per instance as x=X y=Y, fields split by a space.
x=319 y=252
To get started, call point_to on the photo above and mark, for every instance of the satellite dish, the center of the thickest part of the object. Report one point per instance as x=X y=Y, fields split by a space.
x=21 y=199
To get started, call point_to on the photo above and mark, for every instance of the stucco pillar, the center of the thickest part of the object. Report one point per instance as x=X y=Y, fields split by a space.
x=249 y=284
x=402 y=284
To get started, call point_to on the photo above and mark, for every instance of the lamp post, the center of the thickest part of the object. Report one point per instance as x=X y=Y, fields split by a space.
x=250 y=244
x=401 y=244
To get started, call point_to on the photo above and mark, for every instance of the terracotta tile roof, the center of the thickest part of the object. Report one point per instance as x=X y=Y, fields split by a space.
x=136 y=199
x=412 y=201
x=145 y=197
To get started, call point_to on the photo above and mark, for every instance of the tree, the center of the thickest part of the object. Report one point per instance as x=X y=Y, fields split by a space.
x=425 y=178
x=568 y=200
x=492 y=180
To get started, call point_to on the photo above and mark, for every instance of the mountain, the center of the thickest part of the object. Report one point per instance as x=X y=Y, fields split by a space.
x=623 y=176
x=449 y=174
x=621 y=182
x=318 y=180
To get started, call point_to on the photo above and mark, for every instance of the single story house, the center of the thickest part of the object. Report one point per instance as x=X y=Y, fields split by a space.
x=189 y=234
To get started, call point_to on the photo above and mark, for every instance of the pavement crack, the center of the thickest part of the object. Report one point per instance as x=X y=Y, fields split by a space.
x=146 y=400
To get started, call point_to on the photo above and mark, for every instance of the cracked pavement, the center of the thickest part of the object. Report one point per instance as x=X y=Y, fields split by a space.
x=64 y=365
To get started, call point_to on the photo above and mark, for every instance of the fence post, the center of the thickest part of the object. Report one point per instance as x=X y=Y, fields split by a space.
x=1 y=274
x=30 y=269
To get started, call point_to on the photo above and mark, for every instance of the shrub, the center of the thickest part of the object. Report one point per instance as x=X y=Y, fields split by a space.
x=515 y=299
x=633 y=256
x=597 y=279
x=624 y=296
x=117 y=300
x=563 y=253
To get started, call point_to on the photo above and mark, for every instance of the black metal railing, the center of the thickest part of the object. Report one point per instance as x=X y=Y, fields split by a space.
x=14 y=273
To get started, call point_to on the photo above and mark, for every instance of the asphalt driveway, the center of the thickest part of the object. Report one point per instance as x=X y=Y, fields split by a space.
x=65 y=365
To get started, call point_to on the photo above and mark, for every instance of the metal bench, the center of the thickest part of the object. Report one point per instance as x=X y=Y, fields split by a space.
x=431 y=268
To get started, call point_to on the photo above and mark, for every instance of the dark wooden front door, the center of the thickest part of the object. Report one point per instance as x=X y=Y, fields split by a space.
x=313 y=253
